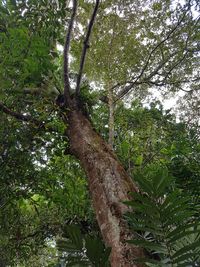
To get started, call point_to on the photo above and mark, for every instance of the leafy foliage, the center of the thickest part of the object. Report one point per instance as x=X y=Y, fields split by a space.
x=40 y=189
x=86 y=250
x=164 y=219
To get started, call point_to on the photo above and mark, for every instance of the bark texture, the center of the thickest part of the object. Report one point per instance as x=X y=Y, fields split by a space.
x=109 y=185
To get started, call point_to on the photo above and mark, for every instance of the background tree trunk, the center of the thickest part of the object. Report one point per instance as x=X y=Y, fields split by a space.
x=111 y=123
x=109 y=186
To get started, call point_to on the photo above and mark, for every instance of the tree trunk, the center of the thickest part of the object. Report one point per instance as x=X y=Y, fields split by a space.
x=111 y=123
x=109 y=185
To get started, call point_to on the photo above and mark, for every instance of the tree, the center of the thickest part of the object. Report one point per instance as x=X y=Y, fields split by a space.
x=164 y=55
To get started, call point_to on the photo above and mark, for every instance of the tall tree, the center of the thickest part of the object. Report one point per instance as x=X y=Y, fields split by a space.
x=150 y=50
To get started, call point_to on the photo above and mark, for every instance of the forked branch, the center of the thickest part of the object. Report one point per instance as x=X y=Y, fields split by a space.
x=85 y=47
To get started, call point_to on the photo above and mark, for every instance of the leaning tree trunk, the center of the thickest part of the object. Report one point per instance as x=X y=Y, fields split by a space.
x=109 y=186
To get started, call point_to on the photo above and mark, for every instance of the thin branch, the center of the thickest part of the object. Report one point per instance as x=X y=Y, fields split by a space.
x=124 y=91
x=161 y=83
x=175 y=65
x=158 y=45
x=117 y=85
x=184 y=54
x=161 y=65
x=129 y=87
x=85 y=47
x=25 y=118
x=67 y=97
x=189 y=91
x=163 y=41
x=19 y=116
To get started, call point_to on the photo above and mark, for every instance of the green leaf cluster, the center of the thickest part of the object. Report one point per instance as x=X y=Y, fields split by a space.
x=165 y=220
x=83 y=249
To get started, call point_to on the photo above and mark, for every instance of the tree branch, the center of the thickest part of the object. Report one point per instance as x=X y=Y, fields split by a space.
x=161 y=65
x=164 y=40
x=85 y=47
x=25 y=118
x=19 y=116
x=67 y=97
x=178 y=62
x=125 y=90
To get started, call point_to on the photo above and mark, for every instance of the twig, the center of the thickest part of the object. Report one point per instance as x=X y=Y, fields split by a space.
x=85 y=47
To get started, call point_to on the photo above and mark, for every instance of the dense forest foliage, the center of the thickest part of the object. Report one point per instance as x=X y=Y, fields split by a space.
x=79 y=82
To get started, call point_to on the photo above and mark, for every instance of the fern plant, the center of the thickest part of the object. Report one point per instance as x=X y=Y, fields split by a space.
x=164 y=220
x=82 y=250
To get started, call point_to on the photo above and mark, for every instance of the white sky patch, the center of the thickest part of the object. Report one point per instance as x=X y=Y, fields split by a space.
x=59 y=47
x=169 y=102
x=195 y=13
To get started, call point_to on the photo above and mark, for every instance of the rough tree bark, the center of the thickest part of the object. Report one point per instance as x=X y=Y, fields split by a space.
x=109 y=186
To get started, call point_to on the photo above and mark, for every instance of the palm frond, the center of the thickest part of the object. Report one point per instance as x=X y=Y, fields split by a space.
x=164 y=220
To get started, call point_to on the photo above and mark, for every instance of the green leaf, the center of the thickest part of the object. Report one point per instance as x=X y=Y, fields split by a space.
x=125 y=147
x=139 y=160
x=149 y=245
x=96 y=251
x=184 y=257
x=75 y=235
x=185 y=249
x=180 y=234
x=154 y=262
